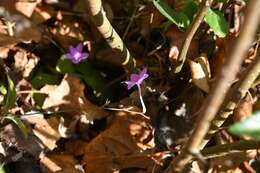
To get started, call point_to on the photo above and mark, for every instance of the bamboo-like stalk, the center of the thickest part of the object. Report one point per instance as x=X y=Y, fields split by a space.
x=237 y=93
x=99 y=18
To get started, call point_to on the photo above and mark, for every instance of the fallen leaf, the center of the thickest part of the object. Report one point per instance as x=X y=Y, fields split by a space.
x=26 y=7
x=76 y=147
x=60 y=163
x=42 y=14
x=25 y=63
x=119 y=146
x=200 y=72
x=12 y=136
x=23 y=30
x=45 y=129
x=69 y=97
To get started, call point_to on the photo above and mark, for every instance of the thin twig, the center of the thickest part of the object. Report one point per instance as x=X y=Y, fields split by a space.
x=237 y=93
x=221 y=150
x=108 y=32
x=204 y=6
x=129 y=111
x=224 y=81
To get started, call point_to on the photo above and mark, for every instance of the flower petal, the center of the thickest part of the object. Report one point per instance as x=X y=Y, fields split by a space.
x=68 y=56
x=79 y=47
x=129 y=84
x=84 y=56
x=73 y=51
x=134 y=78
x=144 y=71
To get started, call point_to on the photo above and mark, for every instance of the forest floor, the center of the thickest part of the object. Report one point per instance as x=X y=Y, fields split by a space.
x=68 y=105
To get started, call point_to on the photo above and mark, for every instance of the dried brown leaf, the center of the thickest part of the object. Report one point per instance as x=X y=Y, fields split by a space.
x=69 y=97
x=12 y=136
x=59 y=163
x=118 y=146
x=200 y=72
x=25 y=63
x=26 y=7
x=45 y=129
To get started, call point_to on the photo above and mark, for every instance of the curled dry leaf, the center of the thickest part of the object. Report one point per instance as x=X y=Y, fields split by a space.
x=200 y=72
x=69 y=97
x=119 y=146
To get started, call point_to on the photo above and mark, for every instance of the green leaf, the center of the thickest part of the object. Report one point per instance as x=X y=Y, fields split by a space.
x=178 y=18
x=64 y=66
x=249 y=127
x=19 y=123
x=94 y=79
x=41 y=79
x=190 y=10
x=217 y=22
x=11 y=94
x=3 y=89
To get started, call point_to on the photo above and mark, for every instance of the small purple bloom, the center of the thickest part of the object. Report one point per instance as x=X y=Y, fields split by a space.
x=137 y=79
x=76 y=55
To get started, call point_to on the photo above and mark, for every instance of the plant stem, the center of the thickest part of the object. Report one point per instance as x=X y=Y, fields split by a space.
x=141 y=99
x=224 y=80
x=108 y=32
x=237 y=93
x=204 y=6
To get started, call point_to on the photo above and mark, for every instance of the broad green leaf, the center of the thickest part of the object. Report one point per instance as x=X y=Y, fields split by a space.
x=190 y=10
x=11 y=94
x=249 y=127
x=93 y=78
x=65 y=66
x=3 y=89
x=19 y=123
x=41 y=79
x=178 y=18
x=217 y=22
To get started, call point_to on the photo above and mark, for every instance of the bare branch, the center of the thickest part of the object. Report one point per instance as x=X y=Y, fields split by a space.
x=224 y=81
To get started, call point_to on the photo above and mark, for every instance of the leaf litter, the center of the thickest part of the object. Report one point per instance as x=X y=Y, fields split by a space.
x=68 y=128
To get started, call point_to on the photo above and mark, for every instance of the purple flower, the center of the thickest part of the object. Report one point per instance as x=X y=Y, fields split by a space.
x=76 y=55
x=137 y=79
